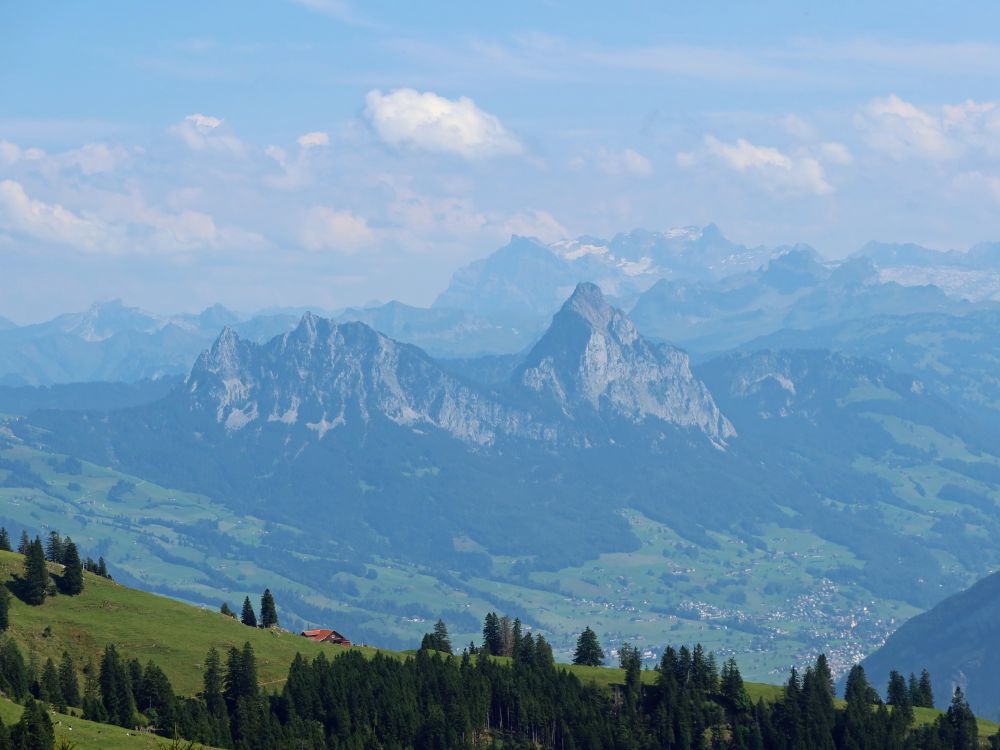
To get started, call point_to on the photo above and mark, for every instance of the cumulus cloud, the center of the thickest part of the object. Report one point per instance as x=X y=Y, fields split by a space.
x=11 y=153
x=204 y=133
x=23 y=215
x=311 y=140
x=903 y=130
x=426 y=121
x=773 y=168
x=329 y=229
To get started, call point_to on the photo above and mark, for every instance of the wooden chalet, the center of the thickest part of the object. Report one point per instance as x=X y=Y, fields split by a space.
x=323 y=635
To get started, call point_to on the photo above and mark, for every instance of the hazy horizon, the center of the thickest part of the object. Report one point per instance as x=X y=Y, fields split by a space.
x=326 y=153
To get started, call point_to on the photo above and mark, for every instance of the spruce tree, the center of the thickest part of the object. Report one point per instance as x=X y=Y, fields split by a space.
x=36 y=574
x=25 y=542
x=268 y=612
x=442 y=641
x=50 y=686
x=964 y=729
x=925 y=691
x=4 y=540
x=588 y=650
x=225 y=609
x=54 y=547
x=68 y=682
x=248 y=617
x=72 y=577
x=102 y=568
x=34 y=729
x=4 y=609
x=492 y=641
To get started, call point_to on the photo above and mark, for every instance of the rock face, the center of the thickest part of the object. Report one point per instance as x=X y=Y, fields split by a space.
x=322 y=376
x=592 y=359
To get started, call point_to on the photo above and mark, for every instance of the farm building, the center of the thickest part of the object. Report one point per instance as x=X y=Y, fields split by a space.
x=323 y=635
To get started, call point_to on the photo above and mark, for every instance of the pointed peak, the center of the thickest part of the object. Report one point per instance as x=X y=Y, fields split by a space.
x=589 y=303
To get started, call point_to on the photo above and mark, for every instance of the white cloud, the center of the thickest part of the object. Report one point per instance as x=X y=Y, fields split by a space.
x=408 y=118
x=11 y=153
x=835 y=153
x=328 y=229
x=979 y=183
x=616 y=163
x=776 y=170
x=540 y=224
x=311 y=140
x=903 y=130
x=47 y=222
x=204 y=133
x=95 y=158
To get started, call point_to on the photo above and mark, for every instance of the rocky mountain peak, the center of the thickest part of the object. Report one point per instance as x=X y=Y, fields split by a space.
x=593 y=360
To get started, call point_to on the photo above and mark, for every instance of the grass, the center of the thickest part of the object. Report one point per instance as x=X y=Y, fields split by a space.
x=85 y=735
x=174 y=635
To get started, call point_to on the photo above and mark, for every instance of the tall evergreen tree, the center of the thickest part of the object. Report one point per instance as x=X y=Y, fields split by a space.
x=492 y=640
x=268 y=611
x=34 y=729
x=50 y=688
x=4 y=540
x=925 y=691
x=36 y=574
x=68 y=682
x=442 y=641
x=588 y=649
x=227 y=611
x=4 y=609
x=116 y=692
x=72 y=577
x=248 y=617
x=22 y=546
x=54 y=547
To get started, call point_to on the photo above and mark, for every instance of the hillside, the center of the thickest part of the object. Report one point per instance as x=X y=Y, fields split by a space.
x=958 y=641
x=174 y=635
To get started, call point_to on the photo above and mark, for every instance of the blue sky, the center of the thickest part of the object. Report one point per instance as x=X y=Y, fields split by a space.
x=330 y=153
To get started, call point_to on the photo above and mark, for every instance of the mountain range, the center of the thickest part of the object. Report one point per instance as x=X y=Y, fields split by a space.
x=765 y=483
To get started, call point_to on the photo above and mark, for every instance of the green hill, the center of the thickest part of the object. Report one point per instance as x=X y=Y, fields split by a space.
x=176 y=636
x=84 y=735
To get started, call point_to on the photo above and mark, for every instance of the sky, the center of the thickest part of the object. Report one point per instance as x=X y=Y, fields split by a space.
x=331 y=153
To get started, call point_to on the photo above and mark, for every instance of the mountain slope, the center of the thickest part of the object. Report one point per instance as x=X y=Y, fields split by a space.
x=593 y=358
x=958 y=642
x=957 y=356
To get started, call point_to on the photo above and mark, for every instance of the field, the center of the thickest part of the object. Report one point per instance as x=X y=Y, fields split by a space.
x=85 y=735
x=772 y=605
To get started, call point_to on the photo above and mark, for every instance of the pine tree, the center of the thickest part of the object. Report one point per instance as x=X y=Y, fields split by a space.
x=50 y=687
x=36 y=574
x=4 y=609
x=72 y=577
x=442 y=641
x=225 y=609
x=248 y=617
x=492 y=641
x=4 y=540
x=268 y=612
x=102 y=568
x=925 y=691
x=964 y=734
x=34 y=729
x=54 y=547
x=588 y=650
x=897 y=693
x=116 y=692
x=25 y=542
x=68 y=682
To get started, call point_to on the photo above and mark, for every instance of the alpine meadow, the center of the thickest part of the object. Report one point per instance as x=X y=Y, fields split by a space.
x=531 y=376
